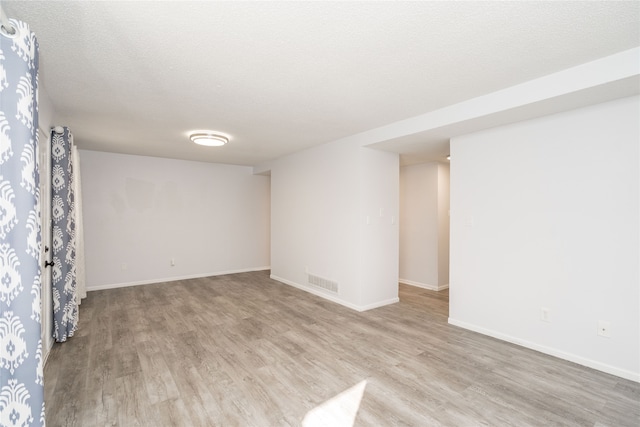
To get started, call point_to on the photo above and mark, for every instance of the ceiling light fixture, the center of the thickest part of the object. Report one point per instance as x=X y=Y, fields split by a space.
x=210 y=139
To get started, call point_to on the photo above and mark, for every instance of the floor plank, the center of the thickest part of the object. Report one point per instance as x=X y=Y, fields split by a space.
x=244 y=350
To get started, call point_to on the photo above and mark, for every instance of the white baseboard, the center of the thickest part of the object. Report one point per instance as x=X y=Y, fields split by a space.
x=172 y=279
x=378 y=304
x=335 y=299
x=424 y=285
x=47 y=351
x=622 y=373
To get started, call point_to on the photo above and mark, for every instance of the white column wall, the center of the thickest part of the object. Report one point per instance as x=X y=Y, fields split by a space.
x=544 y=213
x=320 y=200
x=379 y=239
x=314 y=219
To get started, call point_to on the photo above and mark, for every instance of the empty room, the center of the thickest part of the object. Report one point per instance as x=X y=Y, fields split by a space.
x=319 y=213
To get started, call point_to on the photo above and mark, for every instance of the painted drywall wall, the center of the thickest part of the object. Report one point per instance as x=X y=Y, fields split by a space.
x=140 y=213
x=424 y=225
x=379 y=230
x=419 y=225
x=318 y=209
x=443 y=225
x=544 y=214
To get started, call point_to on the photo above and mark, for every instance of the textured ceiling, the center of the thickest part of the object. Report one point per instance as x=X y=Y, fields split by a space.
x=135 y=77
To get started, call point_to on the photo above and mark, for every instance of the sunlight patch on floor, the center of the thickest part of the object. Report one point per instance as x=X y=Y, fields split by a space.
x=339 y=411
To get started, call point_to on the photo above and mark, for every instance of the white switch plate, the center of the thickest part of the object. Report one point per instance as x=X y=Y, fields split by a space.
x=545 y=314
x=471 y=221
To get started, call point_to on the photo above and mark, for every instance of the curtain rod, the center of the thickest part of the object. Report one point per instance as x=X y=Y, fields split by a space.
x=6 y=28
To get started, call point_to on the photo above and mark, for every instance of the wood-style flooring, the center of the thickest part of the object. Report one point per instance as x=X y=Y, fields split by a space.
x=244 y=350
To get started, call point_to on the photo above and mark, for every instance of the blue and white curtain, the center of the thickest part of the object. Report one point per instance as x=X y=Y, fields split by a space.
x=21 y=361
x=63 y=214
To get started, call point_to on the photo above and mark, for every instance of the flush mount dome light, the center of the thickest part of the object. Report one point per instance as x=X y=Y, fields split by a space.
x=210 y=139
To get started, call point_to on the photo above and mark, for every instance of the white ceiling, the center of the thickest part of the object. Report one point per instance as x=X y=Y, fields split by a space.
x=135 y=77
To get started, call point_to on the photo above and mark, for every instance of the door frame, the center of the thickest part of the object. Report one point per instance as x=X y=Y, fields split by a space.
x=46 y=311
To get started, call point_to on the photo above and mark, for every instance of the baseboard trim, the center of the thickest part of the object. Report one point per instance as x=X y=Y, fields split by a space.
x=622 y=373
x=173 y=279
x=378 y=304
x=424 y=285
x=47 y=351
x=332 y=298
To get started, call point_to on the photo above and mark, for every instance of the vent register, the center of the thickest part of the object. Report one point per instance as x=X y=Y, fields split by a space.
x=323 y=283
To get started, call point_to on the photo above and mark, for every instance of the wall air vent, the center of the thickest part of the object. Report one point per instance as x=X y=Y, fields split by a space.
x=323 y=283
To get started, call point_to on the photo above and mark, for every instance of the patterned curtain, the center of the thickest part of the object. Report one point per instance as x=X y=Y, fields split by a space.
x=21 y=381
x=63 y=214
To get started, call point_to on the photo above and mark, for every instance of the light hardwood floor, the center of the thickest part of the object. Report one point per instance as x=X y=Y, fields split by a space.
x=243 y=350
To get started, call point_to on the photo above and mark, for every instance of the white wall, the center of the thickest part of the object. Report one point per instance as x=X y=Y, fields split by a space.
x=320 y=200
x=141 y=212
x=379 y=229
x=544 y=213
x=443 y=225
x=424 y=225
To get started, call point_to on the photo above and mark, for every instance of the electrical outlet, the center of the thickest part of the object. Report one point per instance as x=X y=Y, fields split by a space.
x=604 y=328
x=123 y=266
x=545 y=314
x=173 y=262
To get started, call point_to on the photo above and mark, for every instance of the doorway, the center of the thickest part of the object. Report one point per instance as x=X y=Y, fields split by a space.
x=424 y=226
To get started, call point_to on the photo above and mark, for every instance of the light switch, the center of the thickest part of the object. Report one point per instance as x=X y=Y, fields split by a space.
x=471 y=221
